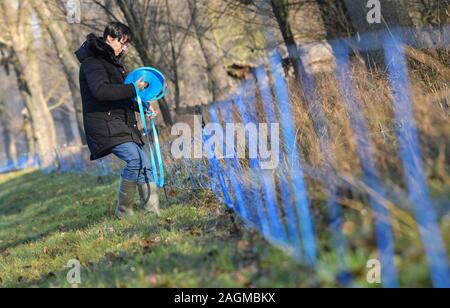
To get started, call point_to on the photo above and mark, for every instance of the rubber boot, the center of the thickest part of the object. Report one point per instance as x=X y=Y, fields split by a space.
x=152 y=206
x=127 y=190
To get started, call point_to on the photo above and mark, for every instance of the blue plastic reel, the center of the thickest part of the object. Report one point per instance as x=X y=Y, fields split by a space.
x=156 y=90
x=157 y=84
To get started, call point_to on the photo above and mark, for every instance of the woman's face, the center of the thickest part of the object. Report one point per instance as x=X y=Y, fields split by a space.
x=118 y=45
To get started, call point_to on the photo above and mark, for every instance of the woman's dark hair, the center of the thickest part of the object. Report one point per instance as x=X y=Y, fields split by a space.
x=118 y=30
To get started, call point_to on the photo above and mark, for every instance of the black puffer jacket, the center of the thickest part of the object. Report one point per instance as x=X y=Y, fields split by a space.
x=108 y=108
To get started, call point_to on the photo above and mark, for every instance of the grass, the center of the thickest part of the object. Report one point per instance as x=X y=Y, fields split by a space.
x=47 y=220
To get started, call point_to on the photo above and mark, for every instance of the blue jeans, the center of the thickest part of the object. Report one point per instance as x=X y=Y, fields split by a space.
x=138 y=165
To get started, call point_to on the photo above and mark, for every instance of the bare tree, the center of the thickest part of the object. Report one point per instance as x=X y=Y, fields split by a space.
x=47 y=12
x=174 y=56
x=310 y=33
x=27 y=130
x=19 y=33
x=9 y=136
x=281 y=12
x=218 y=78
x=303 y=30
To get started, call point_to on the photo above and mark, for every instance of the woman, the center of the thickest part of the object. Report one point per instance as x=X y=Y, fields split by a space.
x=109 y=115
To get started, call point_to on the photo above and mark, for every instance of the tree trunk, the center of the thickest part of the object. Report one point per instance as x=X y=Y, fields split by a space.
x=66 y=122
x=281 y=13
x=9 y=143
x=218 y=77
x=143 y=51
x=310 y=33
x=174 y=63
x=27 y=67
x=67 y=58
x=28 y=133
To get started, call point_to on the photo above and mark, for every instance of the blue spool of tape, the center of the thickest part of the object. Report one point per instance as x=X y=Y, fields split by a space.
x=156 y=90
x=157 y=84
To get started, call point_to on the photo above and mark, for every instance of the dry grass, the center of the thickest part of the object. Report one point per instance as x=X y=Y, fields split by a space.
x=339 y=152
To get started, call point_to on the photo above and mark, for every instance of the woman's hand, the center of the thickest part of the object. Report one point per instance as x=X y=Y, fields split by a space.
x=142 y=85
x=152 y=113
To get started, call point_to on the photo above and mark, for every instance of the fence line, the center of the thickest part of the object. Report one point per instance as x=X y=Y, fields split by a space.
x=277 y=202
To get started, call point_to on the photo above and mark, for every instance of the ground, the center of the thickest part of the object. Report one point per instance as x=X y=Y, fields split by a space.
x=46 y=220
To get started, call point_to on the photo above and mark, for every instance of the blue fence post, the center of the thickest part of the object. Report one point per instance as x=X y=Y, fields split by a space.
x=234 y=169
x=383 y=229
x=216 y=168
x=245 y=102
x=411 y=155
x=292 y=220
x=296 y=175
x=321 y=129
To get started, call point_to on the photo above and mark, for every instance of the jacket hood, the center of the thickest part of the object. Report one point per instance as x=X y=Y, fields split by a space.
x=96 y=47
